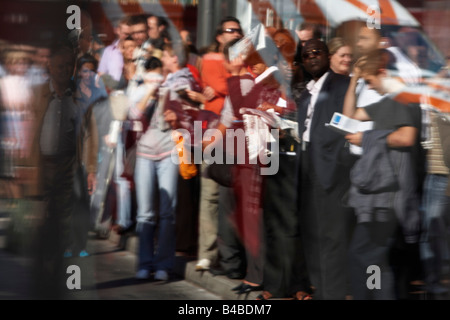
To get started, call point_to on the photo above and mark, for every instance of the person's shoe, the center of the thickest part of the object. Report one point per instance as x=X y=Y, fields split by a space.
x=128 y=230
x=143 y=274
x=67 y=254
x=246 y=288
x=161 y=275
x=83 y=254
x=203 y=265
x=238 y=287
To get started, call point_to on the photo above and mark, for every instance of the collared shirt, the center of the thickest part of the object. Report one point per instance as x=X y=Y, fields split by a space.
x=365 y=95
x=314 y=88
x=112 y=61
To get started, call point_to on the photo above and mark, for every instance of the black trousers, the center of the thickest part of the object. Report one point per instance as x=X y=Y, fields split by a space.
x=232 y=256
x=284 y=265
x=53 y=236
x=326 y=225
x=187 y=214
x=372 y=245
x=81 y=216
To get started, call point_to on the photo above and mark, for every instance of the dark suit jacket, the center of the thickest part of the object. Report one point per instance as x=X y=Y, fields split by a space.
x=86 y=143
x=330 y=157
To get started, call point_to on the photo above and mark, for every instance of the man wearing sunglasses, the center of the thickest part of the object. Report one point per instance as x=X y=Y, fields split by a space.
x=324 y=166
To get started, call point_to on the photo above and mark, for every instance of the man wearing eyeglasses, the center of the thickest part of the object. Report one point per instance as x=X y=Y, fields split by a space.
x=324 y=165
x=139 y=33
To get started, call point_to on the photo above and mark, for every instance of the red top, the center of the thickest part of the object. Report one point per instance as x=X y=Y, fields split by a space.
x=215 y=75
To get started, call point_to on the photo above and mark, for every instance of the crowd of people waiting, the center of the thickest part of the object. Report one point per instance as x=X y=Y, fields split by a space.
x=309 y=231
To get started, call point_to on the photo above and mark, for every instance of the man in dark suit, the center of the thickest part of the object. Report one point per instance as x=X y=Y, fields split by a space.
x=324 y=165
x=59 y=134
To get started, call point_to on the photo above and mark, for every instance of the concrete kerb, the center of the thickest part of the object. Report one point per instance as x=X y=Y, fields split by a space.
x=185 y=268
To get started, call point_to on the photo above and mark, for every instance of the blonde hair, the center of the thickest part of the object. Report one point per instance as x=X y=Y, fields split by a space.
x=12 y=57
x=335 y=44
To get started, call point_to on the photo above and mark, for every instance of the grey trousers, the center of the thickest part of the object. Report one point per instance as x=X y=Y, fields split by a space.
x=208 y=217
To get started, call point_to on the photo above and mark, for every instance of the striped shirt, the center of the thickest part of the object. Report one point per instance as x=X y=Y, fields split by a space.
x=435 y=157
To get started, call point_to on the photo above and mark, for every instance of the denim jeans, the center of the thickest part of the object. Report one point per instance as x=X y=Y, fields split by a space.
x=433 y=245
x=156 y=178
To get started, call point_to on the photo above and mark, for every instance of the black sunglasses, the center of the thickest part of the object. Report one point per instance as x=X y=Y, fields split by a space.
x=232 y=30
x=314 y=52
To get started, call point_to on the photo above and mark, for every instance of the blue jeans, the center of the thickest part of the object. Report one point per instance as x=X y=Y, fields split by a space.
x=433 y=244
x=156 y=178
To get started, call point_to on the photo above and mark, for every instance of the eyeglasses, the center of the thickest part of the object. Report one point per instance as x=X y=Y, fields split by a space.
x=315 y=53
x=139 y=31
x=232 y=30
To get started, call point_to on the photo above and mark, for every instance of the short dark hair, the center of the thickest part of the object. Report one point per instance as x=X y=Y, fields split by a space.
x=161 y=21
x=138 y=19
x=152 y=63
x=87 y=58
x=219 y=30
x=317 y=33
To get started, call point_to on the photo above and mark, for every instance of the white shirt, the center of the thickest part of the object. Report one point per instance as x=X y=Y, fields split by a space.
x=314 y=88
x=365 y=95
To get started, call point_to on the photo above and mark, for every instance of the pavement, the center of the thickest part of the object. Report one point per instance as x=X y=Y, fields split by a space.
x=185 y=267
x=108 y=273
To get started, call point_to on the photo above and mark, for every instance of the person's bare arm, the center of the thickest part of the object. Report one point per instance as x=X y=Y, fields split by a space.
x=402 y=137
x=196 y=96
x=349 y=109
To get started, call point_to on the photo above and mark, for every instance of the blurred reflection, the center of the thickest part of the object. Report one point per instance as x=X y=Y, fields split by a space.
x=416 y=47
x=90 y=87
x=16 y=119
x=38 y=71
